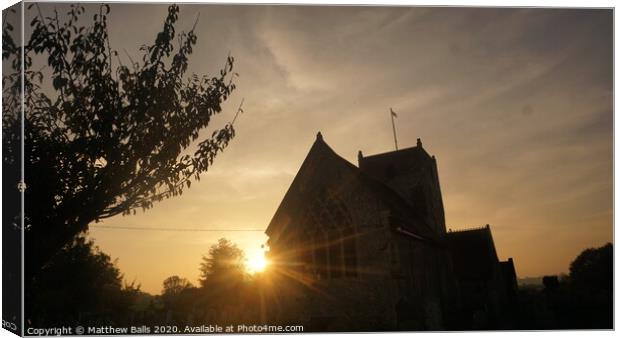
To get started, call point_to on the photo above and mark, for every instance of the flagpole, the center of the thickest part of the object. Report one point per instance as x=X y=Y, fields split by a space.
x=394 y=128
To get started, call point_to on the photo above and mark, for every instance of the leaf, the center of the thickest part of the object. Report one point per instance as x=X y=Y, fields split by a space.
x=59 y=82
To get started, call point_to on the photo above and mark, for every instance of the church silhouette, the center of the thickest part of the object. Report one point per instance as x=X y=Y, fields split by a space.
x=365 y=248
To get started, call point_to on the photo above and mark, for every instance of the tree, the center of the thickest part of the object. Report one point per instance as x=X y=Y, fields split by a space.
x=103 y=138
x=224 y=266
x=592 y=270
x=174 y=285
x=179 y=298
x=591 y=287
x=79 y=282
x=223 y=282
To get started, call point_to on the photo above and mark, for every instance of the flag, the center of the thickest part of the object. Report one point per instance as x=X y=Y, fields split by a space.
x=393 y=113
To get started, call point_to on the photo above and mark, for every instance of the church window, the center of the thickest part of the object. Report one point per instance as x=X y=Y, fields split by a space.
x=334 y=254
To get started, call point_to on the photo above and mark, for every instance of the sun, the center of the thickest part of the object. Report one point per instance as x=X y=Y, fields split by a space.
x=257 y=263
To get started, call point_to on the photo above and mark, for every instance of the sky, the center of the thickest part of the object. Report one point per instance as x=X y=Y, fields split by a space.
x=516 y=104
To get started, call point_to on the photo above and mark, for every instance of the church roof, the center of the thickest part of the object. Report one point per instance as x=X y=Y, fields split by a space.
x=473 y=253
x=508 y=269
x=406 y=217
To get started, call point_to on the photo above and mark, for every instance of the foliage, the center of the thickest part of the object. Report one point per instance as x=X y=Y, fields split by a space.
x=592 y=270
x=581 y=300
x=104 y=138
x=591 y=288
x=228 y=294
x=79 y=284
x=179 y=298
x=174 y=285
x=223 y=266
x=225 y=294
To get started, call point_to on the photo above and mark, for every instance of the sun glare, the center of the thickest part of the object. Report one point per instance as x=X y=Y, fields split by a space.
x=257 y=263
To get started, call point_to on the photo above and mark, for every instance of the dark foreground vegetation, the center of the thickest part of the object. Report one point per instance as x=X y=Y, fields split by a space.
x=226 y=294
x=583 y=299
x=83 y=286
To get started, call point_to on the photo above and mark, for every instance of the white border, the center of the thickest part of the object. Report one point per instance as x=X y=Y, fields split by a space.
x=467 y=3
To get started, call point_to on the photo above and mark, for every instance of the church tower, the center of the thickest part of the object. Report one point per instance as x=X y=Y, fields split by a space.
x=411 y=172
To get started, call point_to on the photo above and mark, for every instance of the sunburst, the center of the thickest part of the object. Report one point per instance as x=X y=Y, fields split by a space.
x=257 y=263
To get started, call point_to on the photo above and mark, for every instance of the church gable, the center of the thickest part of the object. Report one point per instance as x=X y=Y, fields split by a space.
x=313 y=194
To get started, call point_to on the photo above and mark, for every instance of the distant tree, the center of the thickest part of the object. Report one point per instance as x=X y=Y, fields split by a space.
x=592 y=270
x=591 y=288
x=179 y=298
x=103 y=136
x=174 y=285
x=583 y=299
x=224 y=265
x=223 y=281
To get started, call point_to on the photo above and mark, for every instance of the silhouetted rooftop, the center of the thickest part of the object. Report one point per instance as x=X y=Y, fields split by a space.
x=403 y=214
x=473 y=253
x=387 y=165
